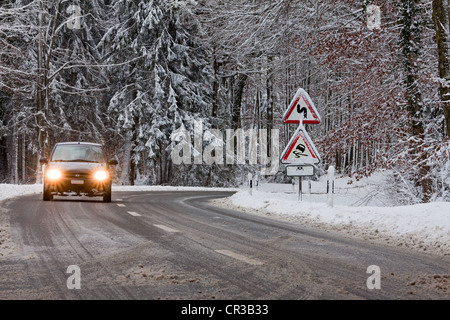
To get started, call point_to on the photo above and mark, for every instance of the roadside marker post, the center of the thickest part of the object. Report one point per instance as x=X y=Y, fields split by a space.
x=330 y=187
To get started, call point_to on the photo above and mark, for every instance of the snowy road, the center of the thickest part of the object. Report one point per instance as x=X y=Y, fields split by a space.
x=176 y=245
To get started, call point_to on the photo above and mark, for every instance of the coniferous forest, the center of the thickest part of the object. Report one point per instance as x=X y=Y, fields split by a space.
x=130 y=73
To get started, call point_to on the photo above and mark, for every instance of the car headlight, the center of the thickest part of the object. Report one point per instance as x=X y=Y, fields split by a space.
x=101 y=175
x=53 y=174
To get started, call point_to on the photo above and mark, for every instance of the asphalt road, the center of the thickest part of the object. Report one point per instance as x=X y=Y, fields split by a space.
x=176 y=245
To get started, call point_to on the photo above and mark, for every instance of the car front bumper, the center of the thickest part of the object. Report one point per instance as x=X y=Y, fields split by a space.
x=89 y=187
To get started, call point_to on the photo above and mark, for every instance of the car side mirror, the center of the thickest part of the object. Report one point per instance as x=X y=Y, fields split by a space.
x=113 y=162
x=43 y=161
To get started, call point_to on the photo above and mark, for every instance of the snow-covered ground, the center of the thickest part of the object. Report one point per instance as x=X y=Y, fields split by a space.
x=14 y=190
x=366 y=209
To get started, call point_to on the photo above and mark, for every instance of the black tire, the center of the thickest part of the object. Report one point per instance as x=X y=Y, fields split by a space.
x=47 y=194
x=107 y=195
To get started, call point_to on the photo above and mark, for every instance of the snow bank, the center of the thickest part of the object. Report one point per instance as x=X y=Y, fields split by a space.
x=14 y=190
x=361 y=208
x=423 y=224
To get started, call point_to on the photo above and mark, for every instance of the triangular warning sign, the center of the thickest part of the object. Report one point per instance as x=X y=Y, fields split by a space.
x=300 y=149
x=301 y=109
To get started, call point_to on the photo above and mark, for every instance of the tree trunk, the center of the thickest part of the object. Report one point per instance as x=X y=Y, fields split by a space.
x=237 y=103
x=270 y=107
x=441 y=24
x=410 y=46
x=216 y=86
x=127 y=159
x=39 y=101
x=24 y=162
x=15 y=151
x=133 y=144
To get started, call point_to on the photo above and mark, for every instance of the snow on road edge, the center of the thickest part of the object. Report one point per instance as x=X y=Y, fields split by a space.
x=422 y=227
x=8 y=191
x=13 y=190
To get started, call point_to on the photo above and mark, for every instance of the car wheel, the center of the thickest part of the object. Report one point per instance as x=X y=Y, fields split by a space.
x=107 y=195
x=47 y=194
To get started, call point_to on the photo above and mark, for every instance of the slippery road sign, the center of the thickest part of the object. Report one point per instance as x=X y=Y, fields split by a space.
x=301 y=110
x=300 y=149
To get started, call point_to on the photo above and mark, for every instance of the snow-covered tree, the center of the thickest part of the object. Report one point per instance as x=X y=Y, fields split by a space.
x=50 y=65
x=163 y=81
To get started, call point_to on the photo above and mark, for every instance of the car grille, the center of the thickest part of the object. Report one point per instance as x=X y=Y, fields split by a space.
x=76 y=175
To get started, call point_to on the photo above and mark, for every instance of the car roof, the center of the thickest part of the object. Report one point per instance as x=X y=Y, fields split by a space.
x=78 y=142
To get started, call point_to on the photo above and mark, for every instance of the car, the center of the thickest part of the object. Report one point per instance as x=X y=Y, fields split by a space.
x=77 y=168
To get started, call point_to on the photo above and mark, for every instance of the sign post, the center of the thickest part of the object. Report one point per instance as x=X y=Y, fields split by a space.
x=300 y=154
x=299 y=188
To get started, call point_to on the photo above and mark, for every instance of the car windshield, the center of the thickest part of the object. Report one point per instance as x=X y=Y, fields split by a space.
x=81 y=153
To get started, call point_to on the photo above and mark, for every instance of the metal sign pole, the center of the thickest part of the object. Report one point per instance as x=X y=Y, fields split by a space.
x=300 y=188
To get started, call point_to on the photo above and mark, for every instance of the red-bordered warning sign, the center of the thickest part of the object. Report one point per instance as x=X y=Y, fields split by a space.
x=300 y=149
x=301 y=110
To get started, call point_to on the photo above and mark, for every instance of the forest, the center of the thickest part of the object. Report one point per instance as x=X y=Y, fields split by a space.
x=130 y=73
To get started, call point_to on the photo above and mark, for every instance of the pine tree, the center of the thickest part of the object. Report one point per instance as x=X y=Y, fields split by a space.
x=163 y=81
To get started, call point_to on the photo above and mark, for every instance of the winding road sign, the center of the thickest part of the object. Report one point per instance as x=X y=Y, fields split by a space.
x=301 y=110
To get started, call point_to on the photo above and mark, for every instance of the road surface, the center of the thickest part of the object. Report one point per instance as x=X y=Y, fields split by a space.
x=177 y=245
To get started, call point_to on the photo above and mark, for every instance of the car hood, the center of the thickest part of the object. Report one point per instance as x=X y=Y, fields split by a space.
x=76 y=166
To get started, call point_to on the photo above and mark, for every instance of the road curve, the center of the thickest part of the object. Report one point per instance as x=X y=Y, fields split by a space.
x=176 y=245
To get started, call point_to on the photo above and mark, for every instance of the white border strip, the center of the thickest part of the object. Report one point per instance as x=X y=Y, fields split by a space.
x=165 y=228
x=240 y=257
x=135 y=214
